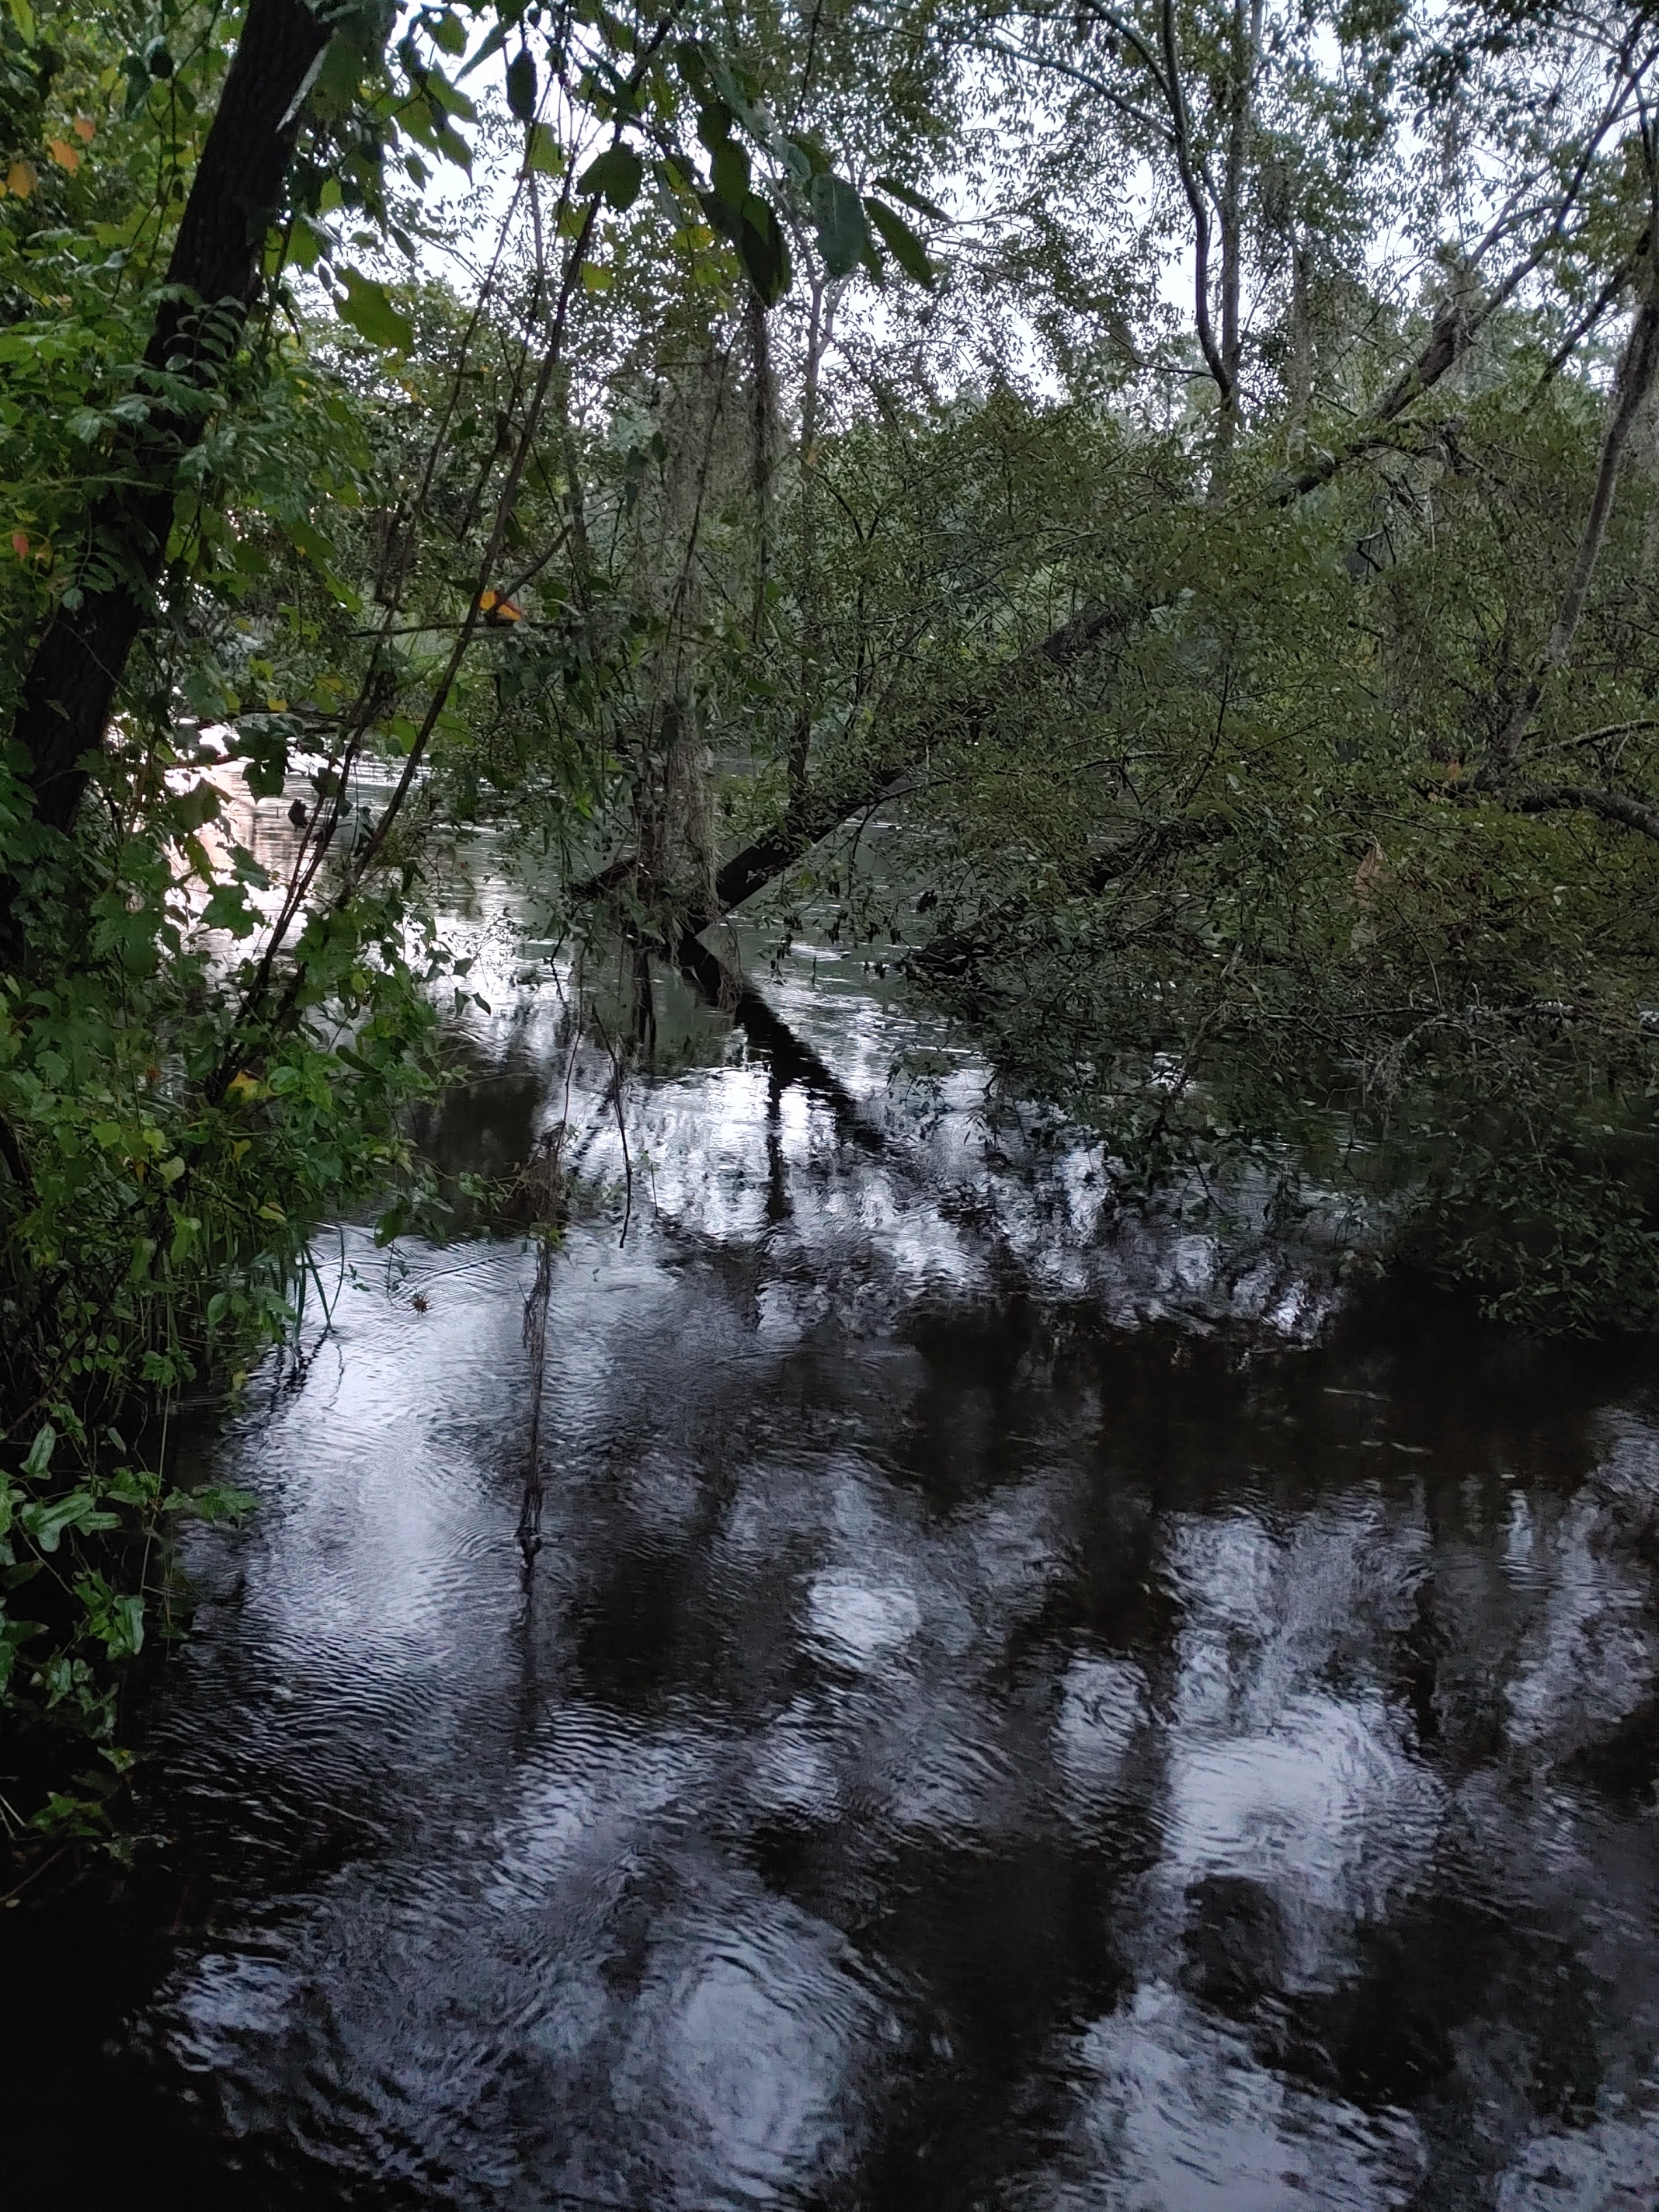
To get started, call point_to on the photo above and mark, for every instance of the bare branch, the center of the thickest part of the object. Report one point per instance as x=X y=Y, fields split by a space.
x=1620 y=807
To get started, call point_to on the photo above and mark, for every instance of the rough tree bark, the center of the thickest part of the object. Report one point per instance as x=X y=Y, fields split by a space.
x=68 y=691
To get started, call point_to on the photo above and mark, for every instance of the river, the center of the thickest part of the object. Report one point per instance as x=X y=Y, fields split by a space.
x=1020 y=1703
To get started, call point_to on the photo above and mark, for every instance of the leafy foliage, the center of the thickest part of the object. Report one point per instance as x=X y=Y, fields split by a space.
x=660 y=430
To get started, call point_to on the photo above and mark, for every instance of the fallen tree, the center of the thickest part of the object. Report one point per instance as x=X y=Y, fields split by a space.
x=808 y=821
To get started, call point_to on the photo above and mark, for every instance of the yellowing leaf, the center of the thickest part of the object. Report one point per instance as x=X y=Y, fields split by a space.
x=84 y=129
x=241 y=1085
x=20 y=544
x=66 y=156
x=20 y=179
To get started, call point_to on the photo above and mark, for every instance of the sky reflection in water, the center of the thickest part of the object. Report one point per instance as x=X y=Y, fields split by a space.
x=953 y=1752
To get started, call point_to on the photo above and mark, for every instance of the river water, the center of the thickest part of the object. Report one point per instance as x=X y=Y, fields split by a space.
x=1020 y=1705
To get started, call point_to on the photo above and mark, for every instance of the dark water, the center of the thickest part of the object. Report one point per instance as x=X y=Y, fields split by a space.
x=955 y=1749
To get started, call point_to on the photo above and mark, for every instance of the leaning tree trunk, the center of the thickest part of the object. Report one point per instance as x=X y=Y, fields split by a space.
x=1637 y=369
x=68 y=691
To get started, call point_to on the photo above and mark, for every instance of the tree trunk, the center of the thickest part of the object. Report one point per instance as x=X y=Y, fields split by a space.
x=820 y=324
x=1636 y=371
x=762 y=423
x=1246 y=45
x=68 y=691
x=790 y=839
x=1299 y=375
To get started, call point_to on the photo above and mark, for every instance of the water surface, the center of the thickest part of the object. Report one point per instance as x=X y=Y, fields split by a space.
x=1019 y=1706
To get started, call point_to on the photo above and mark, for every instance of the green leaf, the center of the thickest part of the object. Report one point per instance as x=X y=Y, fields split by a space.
x=521 y=85
x=764 y=250
x=693 y=66
x=804 y=158
x=492 y=44
x=308 y=242
x=63 y=1814
x=714 y=125
x=729 y=169
x=266 y=755
x=46 y=1524
x=898 y=191
x=23 y=15
x=12 y=1633
x=392 y=1222
x=346 y=61
x=191 y=808
x=443 y=96
x=618 y=173
x=901 y=241
x=217 y=1502
x=321 y=556
x=446 y=30
x=227 y=909
x=116 y=1620
x=312 y=543
x=838 y=218
x=40 y=1452
x=368 y=308
x=542 y=152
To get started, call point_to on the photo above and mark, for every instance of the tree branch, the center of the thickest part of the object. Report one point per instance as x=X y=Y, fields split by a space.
x=1636 y=375
x=1622 y=807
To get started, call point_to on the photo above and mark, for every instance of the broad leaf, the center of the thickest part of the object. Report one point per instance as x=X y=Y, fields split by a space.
x=492 y=44
x=892 y=187
x=838 y=218
x=47 y=1524
x=543 y=153
x=617 y=174
x=901 y=241
x=764 y=250
x=227 y=909
x=729 y=168
x=521 y=85
x=446 y=30
x=368 y=308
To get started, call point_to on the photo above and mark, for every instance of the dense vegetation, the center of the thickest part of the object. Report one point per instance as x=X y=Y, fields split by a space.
x=1194 y=459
